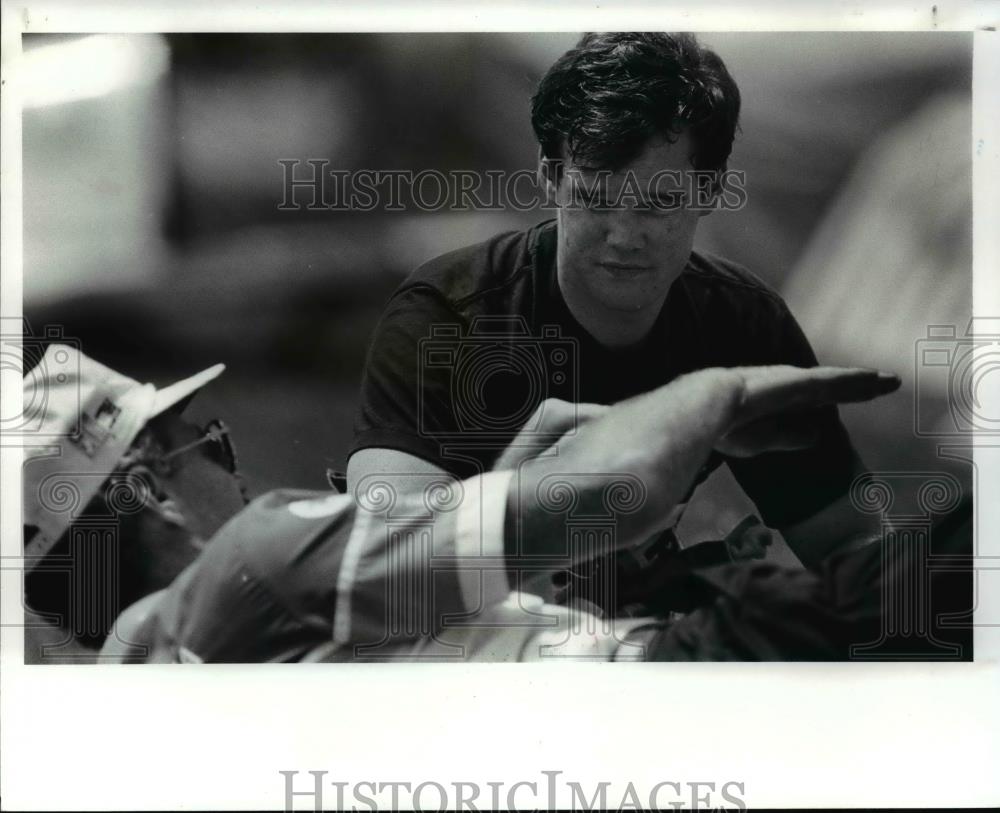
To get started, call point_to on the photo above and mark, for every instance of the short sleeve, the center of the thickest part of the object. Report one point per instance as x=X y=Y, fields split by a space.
x=788 y=487
x=405 y=402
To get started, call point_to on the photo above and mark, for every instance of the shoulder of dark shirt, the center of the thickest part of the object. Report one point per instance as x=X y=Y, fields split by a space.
x=472 y=273
x=743 y=320
x=711 y=272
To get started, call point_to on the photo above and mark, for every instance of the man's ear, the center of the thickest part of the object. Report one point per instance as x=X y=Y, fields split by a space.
x=157 y=498
x=549 y=174
x=168 y=511
x=705 y=190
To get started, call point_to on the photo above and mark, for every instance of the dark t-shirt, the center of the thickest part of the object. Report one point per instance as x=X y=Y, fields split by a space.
x=474 y=340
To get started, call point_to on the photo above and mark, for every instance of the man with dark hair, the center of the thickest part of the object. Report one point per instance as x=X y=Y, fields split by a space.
x=607 y=301
x=601 y=102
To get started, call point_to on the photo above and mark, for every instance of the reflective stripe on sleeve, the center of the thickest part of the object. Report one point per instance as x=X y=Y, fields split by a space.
x=479 y=540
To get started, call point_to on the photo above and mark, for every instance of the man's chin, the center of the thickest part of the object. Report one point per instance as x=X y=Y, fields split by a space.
x=621 y=292
x=627 y=299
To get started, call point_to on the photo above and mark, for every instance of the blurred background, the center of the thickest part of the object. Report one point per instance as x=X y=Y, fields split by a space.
x=152 y=232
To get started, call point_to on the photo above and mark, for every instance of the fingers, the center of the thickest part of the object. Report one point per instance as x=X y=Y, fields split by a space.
x=783 y=433
x=587 y=412
x=551 y=420
x=555 y=417
x=771 y=390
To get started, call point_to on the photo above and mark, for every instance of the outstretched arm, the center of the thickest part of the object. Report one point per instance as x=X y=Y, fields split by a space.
x=268 y=585
x=660 y=440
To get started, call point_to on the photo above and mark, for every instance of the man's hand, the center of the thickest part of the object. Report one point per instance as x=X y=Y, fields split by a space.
x=661 y=439
x=553 y=418
x=778 y=409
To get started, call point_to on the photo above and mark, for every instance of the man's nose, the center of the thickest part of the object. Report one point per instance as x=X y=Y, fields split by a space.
x=624 y=230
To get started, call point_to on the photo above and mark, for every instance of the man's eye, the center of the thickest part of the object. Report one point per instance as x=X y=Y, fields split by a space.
x=669 y=201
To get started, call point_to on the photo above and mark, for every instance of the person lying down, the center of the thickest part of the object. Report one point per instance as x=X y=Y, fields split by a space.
x=430 y=574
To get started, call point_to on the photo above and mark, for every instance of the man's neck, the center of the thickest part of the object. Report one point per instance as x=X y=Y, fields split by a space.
x=613 y=329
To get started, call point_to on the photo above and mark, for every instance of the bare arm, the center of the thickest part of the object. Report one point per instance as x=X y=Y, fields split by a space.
x=660 y=440
x=403 y=472
x=657 y=443
x=406 y=472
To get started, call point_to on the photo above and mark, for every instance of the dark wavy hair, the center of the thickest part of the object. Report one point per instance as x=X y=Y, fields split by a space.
x=602 y=100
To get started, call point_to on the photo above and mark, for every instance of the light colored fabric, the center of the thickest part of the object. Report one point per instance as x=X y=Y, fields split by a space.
x=493 y=623
x=80 y=419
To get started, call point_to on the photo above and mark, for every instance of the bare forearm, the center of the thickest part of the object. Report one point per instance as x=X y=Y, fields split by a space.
x=650 y=448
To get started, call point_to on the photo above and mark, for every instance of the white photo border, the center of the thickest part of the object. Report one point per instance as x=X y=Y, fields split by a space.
x=797 y=735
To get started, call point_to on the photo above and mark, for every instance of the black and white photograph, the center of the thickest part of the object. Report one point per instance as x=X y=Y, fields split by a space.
x=389 y=353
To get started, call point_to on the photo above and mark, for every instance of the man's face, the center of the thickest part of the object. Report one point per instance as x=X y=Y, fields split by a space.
x=622 y=246
x=196 y=495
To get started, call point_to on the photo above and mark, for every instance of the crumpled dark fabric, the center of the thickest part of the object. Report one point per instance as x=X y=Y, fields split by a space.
x=764 y=612
x=659 y=577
